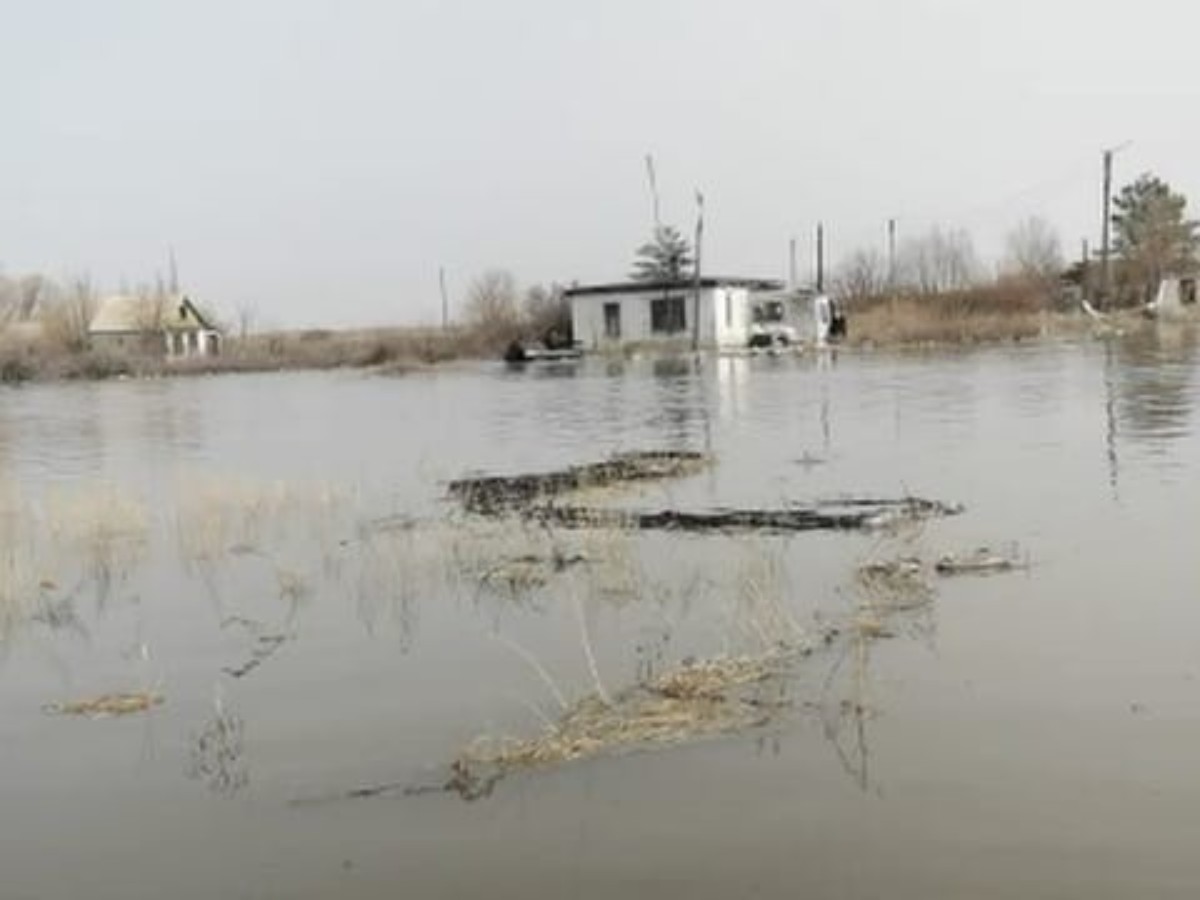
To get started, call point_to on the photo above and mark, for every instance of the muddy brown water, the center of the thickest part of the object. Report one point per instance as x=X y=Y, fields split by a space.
x=1032 y=734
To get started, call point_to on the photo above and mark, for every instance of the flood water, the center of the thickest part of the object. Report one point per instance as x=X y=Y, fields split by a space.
x=275 y=555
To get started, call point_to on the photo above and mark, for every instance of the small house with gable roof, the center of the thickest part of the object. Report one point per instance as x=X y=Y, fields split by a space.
x=161 y=325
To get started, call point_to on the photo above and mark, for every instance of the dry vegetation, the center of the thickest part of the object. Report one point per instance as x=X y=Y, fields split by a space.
x=1004 y=311
x=695 y=700
x=44 y=335
x=107 y=705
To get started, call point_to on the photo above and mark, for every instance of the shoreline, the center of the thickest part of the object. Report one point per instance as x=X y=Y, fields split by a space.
x=402 y=351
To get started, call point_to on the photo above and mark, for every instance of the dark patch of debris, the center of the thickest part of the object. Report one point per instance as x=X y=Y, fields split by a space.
x=499 y=494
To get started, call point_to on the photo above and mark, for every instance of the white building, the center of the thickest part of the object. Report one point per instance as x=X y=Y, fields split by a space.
x=1175 y=299
x=169 y=326
x=607 y=316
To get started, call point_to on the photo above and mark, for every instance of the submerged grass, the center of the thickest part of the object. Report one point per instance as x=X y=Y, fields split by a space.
x=18 y=560
x=695 y=700
x=105 y=529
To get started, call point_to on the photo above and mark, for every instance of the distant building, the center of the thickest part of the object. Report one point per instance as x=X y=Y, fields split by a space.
x=608 y=316
x=169 y=326
x=1176 y=297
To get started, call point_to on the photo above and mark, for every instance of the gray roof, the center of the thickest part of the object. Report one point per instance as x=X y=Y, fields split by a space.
x=640 y=287
x=137 y=314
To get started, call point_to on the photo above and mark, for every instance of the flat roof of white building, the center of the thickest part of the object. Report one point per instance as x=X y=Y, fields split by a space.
x=638 y=287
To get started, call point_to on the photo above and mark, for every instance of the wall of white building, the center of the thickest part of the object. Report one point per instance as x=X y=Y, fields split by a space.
x=724 y=317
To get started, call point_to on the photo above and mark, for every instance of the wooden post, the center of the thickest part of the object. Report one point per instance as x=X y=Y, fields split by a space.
x=1104 y=230
x=445 y=299
x=696 y=272
x=820 y=257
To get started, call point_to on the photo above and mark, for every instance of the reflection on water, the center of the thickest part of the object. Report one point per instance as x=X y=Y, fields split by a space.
x=287 y=538
x=1156 y=382
x=1149 y=392
x=218 y=753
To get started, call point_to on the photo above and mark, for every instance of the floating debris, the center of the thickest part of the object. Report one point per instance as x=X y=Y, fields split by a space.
x=266 y=646
x=107 y=705
x=529 y=571
x=532 y=496
x=468 y=784
x=900 y=583
x=981 y=561
x=834 y=515
x=498 y=494
x=809 y=460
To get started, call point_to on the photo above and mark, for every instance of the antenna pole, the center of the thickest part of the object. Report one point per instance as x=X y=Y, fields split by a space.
x=652 y=177
x=696 y=272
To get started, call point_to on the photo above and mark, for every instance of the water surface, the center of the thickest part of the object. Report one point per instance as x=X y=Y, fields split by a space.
x=1030 y=735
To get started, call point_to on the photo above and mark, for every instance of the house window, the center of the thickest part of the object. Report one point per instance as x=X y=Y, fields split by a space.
x=769 y=312
x=1187 y=291
x=612 y=320
x=668 y=315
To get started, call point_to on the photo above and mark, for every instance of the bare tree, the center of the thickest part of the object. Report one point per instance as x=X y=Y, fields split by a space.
x=861 y=276
x=547 y=315
x=1033 y=252
x=492 y=303
x=9 y=298
x=69 y=315
x=492 y=309
x=246 y=316
x=939 y=261
x=32 y=289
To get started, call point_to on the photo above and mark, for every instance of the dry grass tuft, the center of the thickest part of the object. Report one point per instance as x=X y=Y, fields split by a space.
x=108 y=705
x=686 y=704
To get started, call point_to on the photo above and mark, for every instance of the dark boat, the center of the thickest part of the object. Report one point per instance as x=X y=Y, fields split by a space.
x=519 y=352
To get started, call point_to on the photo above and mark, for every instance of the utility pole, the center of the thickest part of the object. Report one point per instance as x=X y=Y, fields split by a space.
x=820 y=257
x=1105 y=273
x=1104 y=268
x=696 y=272
x=891 y=254
x=792 y=264
x=445 y=298
x=1084 y=280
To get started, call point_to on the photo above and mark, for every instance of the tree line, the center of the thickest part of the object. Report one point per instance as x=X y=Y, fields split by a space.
x=1153 y=238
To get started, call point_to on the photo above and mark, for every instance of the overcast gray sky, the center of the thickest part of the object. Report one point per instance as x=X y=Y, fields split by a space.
x=321 y=159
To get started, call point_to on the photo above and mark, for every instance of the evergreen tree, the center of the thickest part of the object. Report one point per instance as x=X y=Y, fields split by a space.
x=668 y=257
x=1152 y=237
